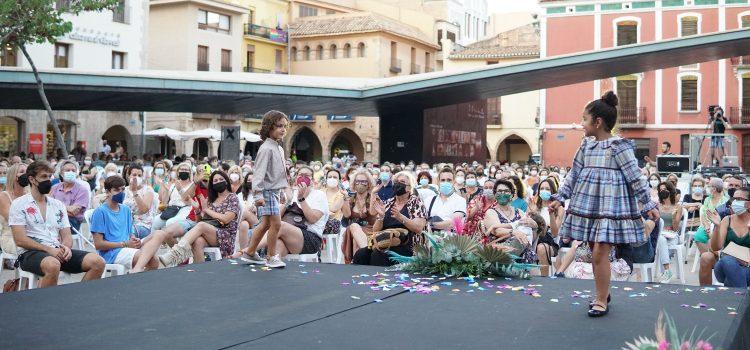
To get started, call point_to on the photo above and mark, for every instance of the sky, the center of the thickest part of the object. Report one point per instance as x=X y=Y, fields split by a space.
x=506 y=6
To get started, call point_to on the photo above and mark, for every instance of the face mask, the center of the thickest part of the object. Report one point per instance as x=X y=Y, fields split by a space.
x=399 y=189
x=44 y=186
x=698 y=190
x=460 y=180
x=542 y=178
x=384 y=176
x=361 y=188
x=345 y=185
x=110 y=174
x=23 y=180
x=534 y=173
x=446 y=188
x=3 y=180
x=738 y=207
x=118 y=198
x=488 y=193
x=563 y=173
x=331 y=182
x=423 y=182
x=663 y=195
x=653 y=183
x=173 y=174
x=503 y=198
x=730 y=192
x=471 y=182
x=234 y=177
x=545 y=195
x=316 y=168
x=159 y=171
x=219 y=187
x=184 y=175
x=87 y=162
x=138 y=181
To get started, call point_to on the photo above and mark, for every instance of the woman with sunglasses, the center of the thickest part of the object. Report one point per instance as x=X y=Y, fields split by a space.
x=360 y=211
x=730 y=237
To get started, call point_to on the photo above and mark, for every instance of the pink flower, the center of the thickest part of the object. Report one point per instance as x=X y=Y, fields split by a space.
x=701 y=345
x=458 y=225
x=31 y=210
x=663 y=345
x=685 y=346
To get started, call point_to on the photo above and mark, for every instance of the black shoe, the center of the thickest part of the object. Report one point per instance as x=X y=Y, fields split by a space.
x=598 y=313
x=609 y=298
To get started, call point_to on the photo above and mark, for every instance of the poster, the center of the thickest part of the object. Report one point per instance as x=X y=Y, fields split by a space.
x=455 y=133
x=36 y=143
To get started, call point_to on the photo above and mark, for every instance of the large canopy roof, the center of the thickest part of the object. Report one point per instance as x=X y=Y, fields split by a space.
x=242 y=93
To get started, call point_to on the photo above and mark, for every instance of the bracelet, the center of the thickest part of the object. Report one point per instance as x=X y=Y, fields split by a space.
x=124 y=245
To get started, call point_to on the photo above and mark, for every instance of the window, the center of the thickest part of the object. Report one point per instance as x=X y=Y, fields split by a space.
x=427 y=63
x=202 y=58
x=627 y=91
x=467 y=31
x=226 y=60
x=307 y=11
x=745 y=21
x=306 y=53
x=494 y=114
x=294 y=54
x=334 y=52
x=685 y=144
x=118 y=60
x=251 y=17
x=330 y=12
x=119 y=12
x=688 y=93
x=689 y=26
x=319 y=53
x=214 y=22
x=8 y=57
x=627 y=33
x=62 y=54
x=440 y=39
x=452 y=36
x=278 y=66
x=347 y=50
x=361 y=50
x=746 y=94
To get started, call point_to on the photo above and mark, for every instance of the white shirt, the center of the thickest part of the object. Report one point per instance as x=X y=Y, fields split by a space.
x=316 y=200
x=445 y=209
x=24 y=211
x=426 y=194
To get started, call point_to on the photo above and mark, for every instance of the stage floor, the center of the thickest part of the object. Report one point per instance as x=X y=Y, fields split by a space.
x=223 y=305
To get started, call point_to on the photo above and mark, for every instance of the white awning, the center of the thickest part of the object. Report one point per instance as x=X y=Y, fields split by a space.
x=249 y=137
x=165 y=132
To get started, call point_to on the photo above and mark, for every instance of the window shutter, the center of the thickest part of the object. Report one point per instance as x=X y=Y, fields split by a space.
x=627 y=33
x=689 y=26
x=689 y=96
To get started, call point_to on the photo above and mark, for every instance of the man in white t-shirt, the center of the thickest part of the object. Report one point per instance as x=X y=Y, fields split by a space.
x=41 y=231
x=293 y=239
x=447 y=205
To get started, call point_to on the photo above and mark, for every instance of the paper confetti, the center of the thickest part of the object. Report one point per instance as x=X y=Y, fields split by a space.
x=554 y=300
x=355 y=297
x=627 y=289
x=378 y=301
x=498 y=292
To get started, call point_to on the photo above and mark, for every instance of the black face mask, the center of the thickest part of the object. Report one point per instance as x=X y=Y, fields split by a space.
x=23 y=180
x=663 y=195
x=731 y=191
x=399 y=189
x=219 y=187
x=183 y=175
x=44 y=186
x=249 y=185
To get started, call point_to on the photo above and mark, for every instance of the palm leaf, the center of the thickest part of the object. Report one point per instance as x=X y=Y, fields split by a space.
x=396 y=257
x=494 y=256
x=464 y=244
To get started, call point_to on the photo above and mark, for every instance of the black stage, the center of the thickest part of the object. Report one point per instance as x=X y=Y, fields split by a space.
x=318 y=306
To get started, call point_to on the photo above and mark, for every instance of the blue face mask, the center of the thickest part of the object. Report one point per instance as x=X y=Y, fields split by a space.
x=69 y=176
x=446 y=188
x=545 y=195
x=385 y=176
x=423 y=182
x=3 y=180
x=118 y=198
x=738 y=207
x=471 y=182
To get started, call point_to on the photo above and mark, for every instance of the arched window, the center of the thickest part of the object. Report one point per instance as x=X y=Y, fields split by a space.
x=347 y=50
x=689 y=25
x=319 y=53
x=306 y=53
x=333 y=52
x=361 y=50
x=294 y=53
x=627 y=30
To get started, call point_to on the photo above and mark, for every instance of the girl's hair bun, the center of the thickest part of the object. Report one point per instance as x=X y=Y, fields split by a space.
x=610 y=98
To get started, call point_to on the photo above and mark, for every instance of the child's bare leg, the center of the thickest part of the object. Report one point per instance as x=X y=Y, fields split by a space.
x=258 y=233
x=273 y=233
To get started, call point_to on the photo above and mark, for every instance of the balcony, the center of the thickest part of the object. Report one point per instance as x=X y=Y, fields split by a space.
x=121 y=14
x=416 y=69
x=739 y=117
x=740 y=61
x=202 y=67
x=275 y=35
x=494 y=120
x=395 y=65
x=631 y=117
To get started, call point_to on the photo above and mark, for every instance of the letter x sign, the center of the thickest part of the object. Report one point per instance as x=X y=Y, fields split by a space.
x=230 y=134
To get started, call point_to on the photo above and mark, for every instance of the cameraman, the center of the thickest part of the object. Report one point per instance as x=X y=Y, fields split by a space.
x=719 y=124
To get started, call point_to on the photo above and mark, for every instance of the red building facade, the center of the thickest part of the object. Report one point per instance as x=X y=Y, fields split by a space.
x=655 y=106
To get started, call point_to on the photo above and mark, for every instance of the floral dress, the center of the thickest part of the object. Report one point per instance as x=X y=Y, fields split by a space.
x=226 y=235
x=582 y=268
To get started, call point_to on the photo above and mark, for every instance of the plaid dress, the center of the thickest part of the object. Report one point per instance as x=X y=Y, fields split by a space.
x=604 y=187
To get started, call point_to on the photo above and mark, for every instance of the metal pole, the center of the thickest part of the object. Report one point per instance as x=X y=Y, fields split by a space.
x=143 y=134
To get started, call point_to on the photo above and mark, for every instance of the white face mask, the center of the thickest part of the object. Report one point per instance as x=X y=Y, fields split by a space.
x=653 y=183
x=460 y=180
x=234 y=177
x=331 y=182
x=138 y=180
x=173 y=174
x=108 y=174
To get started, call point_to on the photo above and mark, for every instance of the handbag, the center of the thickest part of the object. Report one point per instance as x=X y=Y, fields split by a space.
x=388 y=238
x=213 y=222
x=294 y=216
x=170 y=211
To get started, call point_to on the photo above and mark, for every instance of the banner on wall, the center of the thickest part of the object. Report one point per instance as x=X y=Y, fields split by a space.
x=36 y=143
x=455 y=133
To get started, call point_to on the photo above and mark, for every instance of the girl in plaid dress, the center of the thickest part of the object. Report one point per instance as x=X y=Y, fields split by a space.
x=604 y=187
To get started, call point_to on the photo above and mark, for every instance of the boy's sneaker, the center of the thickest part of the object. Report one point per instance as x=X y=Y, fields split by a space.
x=275 y=262
x=666 y=276
x=254 y=259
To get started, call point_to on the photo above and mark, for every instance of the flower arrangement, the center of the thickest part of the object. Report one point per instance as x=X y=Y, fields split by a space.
x=667 y=338
x=458 y=255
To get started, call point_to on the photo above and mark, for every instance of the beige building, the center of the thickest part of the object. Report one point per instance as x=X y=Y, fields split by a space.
x=513 y=121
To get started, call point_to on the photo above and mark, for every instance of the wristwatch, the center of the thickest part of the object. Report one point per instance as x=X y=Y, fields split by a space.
x=301 y=200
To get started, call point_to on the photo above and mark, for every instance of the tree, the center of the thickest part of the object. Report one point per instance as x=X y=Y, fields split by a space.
x=25 y=22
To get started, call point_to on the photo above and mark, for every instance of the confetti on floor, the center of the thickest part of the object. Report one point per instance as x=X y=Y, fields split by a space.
x=355 y=297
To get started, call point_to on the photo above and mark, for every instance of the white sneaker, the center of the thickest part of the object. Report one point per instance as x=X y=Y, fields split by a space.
x=275 y=262
x=666 y=276
x=254 y=259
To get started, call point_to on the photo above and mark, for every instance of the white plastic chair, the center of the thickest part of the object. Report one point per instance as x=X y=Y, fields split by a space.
x=679 y=247
x=113 y=270
x=303 y=257
x=3 y=257
x=28 y=276
x=214 y=253
x=331 y=247
x=652 y=266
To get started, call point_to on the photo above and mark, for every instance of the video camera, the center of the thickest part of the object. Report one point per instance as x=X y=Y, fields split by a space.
x=714 y=109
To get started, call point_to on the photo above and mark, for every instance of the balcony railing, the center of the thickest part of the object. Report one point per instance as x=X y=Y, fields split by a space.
x=495 y=119
x=395 y=65
x=272 y=34
x=739 y=116
x=416 y=69
x=255 y=70
x=121 y=14
x=741 y=61
x=631 y=116
x=202 y=67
